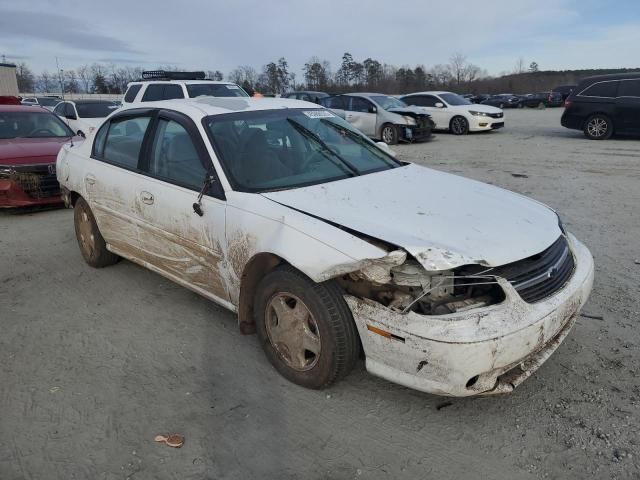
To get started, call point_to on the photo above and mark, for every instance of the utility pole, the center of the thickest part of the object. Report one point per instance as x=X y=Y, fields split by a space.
x=60 y=72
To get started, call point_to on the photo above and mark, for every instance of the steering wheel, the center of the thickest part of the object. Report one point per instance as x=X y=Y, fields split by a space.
x=43 y=130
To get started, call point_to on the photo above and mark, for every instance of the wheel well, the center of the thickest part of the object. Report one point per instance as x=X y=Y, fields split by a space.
x=73 y=198
x=254 y=271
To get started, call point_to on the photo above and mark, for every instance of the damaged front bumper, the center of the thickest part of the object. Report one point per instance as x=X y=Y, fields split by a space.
x=483 y=351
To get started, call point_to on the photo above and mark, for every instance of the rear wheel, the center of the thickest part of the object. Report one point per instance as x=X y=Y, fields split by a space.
x=92 y=245
x=389 y=134
x=598 y=127
x=459 y=125
x=305 y=328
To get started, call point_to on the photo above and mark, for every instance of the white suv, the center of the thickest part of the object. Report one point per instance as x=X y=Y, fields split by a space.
x=160 y=85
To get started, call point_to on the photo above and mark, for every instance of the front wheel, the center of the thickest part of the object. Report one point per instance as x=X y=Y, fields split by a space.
x=306 y=329
x=459 y=125
x=598 y=127
x=389 y=134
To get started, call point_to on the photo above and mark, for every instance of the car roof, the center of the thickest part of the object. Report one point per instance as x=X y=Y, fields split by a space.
x=612 y=76
x=22 y=108
x=205 y=105
x=186 y=82
x=83 y=101
x=428 y=92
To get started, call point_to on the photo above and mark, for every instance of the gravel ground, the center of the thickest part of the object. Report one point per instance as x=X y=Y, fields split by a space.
x=95 y=363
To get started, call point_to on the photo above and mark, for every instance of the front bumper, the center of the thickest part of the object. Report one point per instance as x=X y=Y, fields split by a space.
x=481 y=124
x=12 y=195
x=484 y=351
x=414 y=133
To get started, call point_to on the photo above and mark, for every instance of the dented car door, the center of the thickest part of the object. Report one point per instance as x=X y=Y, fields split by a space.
x=112 y=178
x=361 y=113
x=178 y=241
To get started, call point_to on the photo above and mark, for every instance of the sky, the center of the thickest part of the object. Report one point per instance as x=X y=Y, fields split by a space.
x=220 y=35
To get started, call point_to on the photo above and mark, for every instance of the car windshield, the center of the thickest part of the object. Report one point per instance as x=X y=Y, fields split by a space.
x=39 y=124
x=215 y=90
x=454 y=99
x=95 y=110
x=288 y=148
x=387 y=102
x=48 y=102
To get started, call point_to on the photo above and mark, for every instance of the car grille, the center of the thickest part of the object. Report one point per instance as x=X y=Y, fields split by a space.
x=37 y=181
x=496 y=115
x=540 y=276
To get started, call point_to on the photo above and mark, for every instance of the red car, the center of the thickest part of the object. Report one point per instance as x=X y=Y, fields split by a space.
x=30 y=139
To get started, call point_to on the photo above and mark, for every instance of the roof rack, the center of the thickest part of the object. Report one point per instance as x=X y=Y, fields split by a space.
x=164 y=75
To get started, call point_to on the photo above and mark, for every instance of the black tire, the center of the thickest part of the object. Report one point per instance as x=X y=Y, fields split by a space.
x=598 y=127
x=92 y=246
x=328 y=315
x=389 y=134
x=459 y=125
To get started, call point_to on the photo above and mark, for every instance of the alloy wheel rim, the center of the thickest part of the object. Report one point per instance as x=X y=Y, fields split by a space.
x=292 y=331
x=597 y=127
x=458 y=125
x=387 y=134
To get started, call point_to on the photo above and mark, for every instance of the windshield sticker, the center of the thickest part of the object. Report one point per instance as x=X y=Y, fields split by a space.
x=318 y=114
x=233 y=87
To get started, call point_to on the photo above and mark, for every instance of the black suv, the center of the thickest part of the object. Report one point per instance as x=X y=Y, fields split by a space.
x=603 y=105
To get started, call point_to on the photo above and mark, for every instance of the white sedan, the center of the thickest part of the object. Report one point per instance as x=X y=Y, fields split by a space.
x=449 y=111
x=84 y=116
x=326 y=245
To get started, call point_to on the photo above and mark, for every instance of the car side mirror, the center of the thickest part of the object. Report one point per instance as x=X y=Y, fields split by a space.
x=439 y=105
x=386 y=148
x=71 y=116
x=373 y=110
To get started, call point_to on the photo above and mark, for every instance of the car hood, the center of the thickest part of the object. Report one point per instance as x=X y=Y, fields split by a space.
x=477 y=107
x=23 y=151
x=408 y=110
x=443 y=220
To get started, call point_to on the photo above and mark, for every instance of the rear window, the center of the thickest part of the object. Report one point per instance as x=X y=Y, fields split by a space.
x=602 y=89
x=215 y=90
x=132 y=92
x=629 y=88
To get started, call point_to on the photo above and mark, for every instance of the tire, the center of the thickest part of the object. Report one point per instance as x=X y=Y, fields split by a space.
x=598 y=127
x=459 y=125
x=501 y=105
x=315 y=312
x=389 y=134
x=92 y=246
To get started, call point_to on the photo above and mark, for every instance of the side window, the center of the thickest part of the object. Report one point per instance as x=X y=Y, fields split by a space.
x=629 y=88
x=174 y=156
x=416 y=100
x=59 y=110
x=69 y=110
x=429 y=101
x=360 y=105
x=602 y=89
x=153 y=92
x=335 y=102
x=124 y=141
x=172 y=91
x=132 y=92
x=98 y=143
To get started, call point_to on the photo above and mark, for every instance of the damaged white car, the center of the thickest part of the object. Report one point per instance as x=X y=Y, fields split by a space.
x=327 y=246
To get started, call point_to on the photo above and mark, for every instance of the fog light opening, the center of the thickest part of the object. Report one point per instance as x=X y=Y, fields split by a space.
x=472 y=381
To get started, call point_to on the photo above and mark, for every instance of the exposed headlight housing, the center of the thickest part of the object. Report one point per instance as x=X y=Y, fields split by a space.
x=409 y=120
x=478 y=114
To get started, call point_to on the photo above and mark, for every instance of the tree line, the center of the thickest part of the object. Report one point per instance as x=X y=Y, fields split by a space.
x=458 y=75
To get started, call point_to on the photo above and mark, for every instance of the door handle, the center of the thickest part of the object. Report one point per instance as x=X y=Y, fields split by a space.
x=146 y=198
x=90 y=179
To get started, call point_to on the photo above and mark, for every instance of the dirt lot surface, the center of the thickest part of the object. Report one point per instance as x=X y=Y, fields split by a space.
x=95 y=363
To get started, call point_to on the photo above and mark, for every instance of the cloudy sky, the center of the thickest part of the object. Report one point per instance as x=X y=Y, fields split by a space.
x=214 y=34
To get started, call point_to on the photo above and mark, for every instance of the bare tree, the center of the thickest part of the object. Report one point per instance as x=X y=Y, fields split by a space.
x=520 y=66
x=84 y=74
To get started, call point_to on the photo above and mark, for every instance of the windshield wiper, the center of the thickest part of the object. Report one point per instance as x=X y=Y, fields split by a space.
x=358 y=139
x=324 y=149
